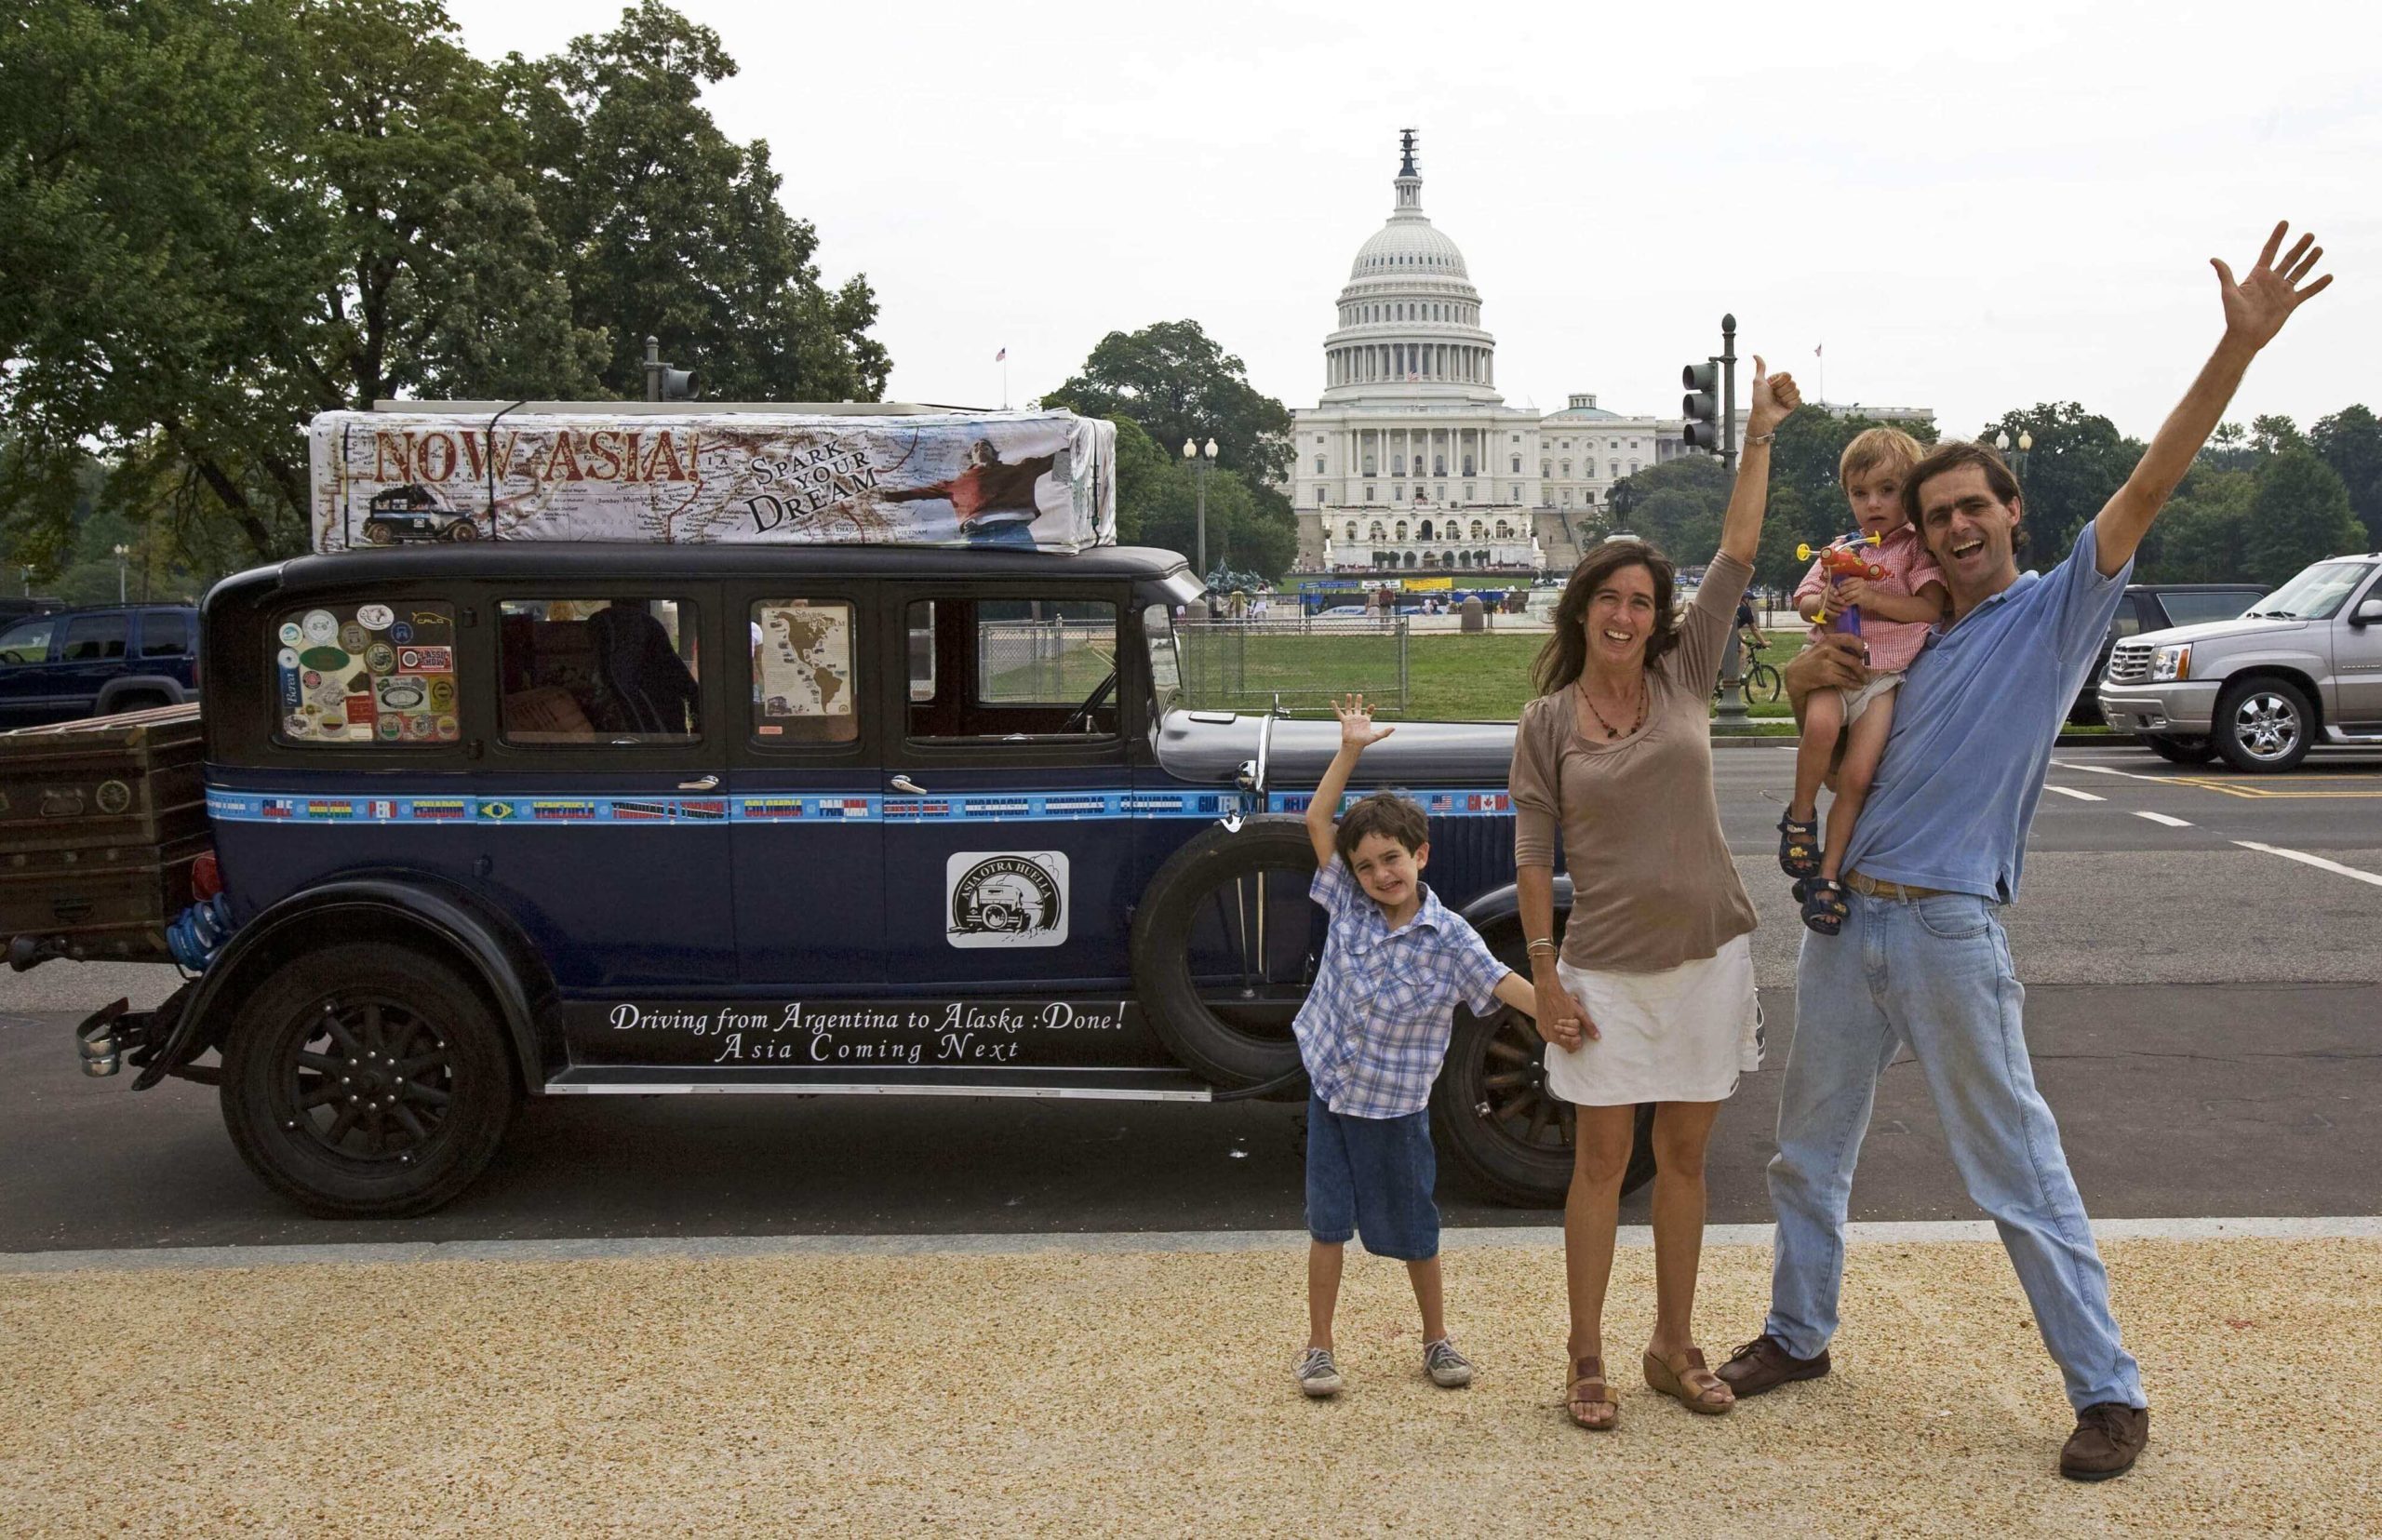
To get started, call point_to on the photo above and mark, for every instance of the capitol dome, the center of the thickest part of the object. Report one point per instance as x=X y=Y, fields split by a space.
x=1409 y=319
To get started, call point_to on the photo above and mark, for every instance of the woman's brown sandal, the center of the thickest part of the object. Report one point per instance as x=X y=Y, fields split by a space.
x=1599 y=1413
x=1689 y=1383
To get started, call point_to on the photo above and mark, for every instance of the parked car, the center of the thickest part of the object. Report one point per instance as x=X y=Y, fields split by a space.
x=515 y=819
x=2304 y=663
x=89 y=663
x=2160 y=606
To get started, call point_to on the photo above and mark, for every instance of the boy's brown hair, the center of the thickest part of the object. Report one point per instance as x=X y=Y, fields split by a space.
x=1401 y=818
x=1879 y=449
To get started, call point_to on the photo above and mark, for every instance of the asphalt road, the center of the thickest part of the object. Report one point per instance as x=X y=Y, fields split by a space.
x=2204 y=1005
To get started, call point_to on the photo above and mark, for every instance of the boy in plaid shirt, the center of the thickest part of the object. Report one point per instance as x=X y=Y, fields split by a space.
x=1373 y=1034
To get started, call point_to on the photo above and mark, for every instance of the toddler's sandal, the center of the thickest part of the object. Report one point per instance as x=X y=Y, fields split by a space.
x=1799 y=847
x=1822 y=901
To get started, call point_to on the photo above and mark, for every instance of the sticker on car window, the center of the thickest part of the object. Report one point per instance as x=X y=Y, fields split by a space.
x=1006 y=898
x=337 y=682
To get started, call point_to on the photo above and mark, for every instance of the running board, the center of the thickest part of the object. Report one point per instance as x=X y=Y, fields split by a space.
x=1087 y=1085
x=2339 y=735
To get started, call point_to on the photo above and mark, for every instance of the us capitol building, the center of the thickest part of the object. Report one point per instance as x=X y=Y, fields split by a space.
x=1412 y=460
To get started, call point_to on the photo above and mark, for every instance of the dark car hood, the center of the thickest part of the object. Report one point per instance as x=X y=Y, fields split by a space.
x=1206 y=747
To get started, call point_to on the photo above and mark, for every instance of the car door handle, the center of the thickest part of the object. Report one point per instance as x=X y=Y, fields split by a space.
x=700 y=783
x=902 y=782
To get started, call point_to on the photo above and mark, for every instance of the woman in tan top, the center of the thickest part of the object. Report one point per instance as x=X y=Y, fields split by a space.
x=1651 y=996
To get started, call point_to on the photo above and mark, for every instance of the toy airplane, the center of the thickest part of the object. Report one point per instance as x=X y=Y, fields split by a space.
x=1841 y=558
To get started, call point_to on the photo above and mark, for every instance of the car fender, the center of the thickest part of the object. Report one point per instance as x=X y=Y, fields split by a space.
x=1500 y=908
x=390 y=906
x=173 y=689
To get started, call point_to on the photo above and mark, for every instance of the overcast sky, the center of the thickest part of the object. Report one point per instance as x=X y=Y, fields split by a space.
x=1972 y=209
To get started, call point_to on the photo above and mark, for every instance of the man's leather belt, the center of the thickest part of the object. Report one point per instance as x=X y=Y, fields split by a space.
x=1903 y=892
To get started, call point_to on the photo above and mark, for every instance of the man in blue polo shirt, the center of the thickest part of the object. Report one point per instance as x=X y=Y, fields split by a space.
x=1921 y=960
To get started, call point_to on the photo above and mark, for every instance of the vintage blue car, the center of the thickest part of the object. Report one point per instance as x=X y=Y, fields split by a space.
x=518 y=819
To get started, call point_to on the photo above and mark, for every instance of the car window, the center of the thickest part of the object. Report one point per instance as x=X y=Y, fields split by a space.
x=94 y=638
x=28 y=641
x=598 y=670
x=2196 y=609
x=2129 y=619
x=1165 y=658
x=367 y=671
x=164 y=634
x=803 y=684
x=1013 y=667
x=2314 y=593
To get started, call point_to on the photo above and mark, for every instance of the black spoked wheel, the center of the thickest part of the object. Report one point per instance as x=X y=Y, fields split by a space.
x=1762 y=683
x=366 y=1081
x=1225 y=945
x=1492 y=1112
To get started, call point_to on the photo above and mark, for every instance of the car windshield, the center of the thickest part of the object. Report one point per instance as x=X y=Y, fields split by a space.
x=1165 y=659
x=2313 y=594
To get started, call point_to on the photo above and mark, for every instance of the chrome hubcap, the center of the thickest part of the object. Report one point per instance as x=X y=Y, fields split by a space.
x=2266 y=727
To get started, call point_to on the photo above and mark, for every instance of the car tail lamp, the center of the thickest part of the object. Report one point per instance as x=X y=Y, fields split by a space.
x=2170 y=663
x=205 y=877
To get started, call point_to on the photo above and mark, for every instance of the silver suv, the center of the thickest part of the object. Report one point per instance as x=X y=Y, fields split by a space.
x=2304 y=665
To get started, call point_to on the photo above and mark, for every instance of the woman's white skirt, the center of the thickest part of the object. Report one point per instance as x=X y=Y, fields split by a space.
x=1682 y=1034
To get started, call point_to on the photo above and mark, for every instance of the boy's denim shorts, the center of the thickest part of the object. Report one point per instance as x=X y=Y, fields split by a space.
x=1372 y=1177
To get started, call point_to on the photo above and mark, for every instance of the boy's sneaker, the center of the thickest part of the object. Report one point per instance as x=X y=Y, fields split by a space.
x=1448 y=1367
x=1319 y=1376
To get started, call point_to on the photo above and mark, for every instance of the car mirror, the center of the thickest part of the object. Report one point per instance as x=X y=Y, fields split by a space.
x=2367 y=613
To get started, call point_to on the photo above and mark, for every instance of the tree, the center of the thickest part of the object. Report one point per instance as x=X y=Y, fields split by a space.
x=2350 y=442
x=2299 y=514
x=2077 y=462
x=223 y=219
x=1175 y=381
x=1158 y=503
x=673 y=230
x=2199 y=536
x=1678 y=505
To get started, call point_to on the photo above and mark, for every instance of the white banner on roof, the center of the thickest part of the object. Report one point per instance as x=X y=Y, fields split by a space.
x=1040 y=480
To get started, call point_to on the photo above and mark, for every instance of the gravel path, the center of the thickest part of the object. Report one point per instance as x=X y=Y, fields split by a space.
x=1068 y=1393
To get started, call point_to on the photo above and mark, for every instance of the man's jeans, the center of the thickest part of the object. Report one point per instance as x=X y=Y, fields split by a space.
x=1935 y=975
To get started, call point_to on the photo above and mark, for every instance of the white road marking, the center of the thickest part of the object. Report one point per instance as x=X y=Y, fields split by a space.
x=2162 y=818
x=2071 y=791
x=1541 y=1237
x=2316 y=860
x=2104 y=769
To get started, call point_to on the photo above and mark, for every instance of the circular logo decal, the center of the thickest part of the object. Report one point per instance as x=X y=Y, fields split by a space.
x=380 y=658
x=442 y=694
x=1005 y=896
x=450 y=730
x=321 y=626
x=291 y=635
x=389 y=728
x=352 y=637
x=287 y=658
x=113 y=797
x=297 y=723
x=401 y=632
x=373 y=617
x=312 y=678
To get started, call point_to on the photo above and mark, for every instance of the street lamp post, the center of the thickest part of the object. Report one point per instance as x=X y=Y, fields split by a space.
x=1202 y=457
x=2018 y=461
x=121 y=552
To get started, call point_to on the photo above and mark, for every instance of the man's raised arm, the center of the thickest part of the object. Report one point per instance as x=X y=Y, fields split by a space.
x=2255 y=309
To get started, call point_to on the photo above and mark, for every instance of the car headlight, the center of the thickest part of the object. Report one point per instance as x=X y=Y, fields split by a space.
x=2170 y=663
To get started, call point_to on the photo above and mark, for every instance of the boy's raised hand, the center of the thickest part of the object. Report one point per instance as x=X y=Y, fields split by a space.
x=1357 y=729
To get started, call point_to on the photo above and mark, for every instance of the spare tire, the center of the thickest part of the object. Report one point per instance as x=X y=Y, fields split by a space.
x=1226 y=943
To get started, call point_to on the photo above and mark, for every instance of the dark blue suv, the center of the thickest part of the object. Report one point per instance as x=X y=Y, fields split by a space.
x=506 y=819
x=92 y=662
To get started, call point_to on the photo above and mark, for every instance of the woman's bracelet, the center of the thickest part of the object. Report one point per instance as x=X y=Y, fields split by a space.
x=1763 y=437
x=1543 y=943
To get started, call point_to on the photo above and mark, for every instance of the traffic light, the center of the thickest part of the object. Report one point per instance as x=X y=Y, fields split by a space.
x=1700 y=405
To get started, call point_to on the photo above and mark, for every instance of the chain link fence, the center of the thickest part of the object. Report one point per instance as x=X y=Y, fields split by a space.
x=1304 y=663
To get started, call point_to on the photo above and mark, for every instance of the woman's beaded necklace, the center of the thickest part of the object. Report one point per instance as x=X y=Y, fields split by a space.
x=1610 y=730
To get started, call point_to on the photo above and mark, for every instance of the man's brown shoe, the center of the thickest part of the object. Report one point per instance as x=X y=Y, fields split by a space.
x=2107 y=1439
x=1763 y=1364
